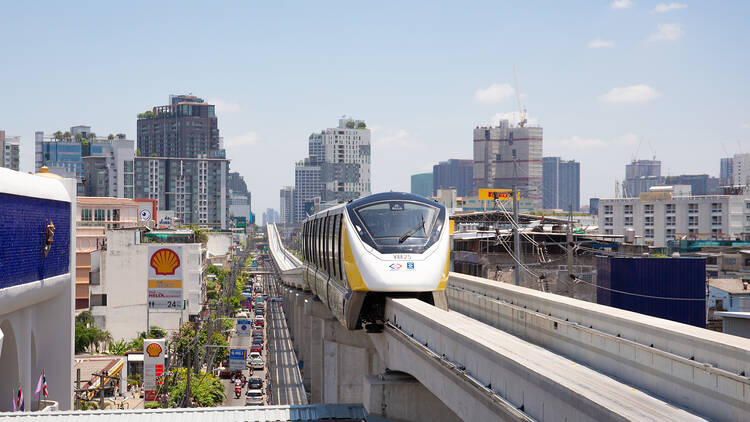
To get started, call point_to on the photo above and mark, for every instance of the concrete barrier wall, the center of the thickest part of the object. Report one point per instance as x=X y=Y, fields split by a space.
x=695 y=368
x=503 y=368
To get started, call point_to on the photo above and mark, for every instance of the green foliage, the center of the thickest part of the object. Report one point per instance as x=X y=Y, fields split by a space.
x=212 y=294
x=110 y=136
x=146 y=114
x=153 y=332
x=350 y=125
x=152 y=405
x=199 y=233
x=186 y=342
x=87 y=334
x=206 y=389
x=361 y=125
x=119 y=347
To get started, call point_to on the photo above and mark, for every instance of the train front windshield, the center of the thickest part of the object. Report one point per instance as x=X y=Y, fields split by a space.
x=400 y=220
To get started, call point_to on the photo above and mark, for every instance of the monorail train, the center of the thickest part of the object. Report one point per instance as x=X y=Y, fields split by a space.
x=387 y=244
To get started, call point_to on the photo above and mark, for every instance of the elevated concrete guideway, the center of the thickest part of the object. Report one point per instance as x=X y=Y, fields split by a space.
x=578 y=367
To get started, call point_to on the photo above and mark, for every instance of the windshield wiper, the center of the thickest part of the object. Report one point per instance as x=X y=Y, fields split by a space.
x=412 y=231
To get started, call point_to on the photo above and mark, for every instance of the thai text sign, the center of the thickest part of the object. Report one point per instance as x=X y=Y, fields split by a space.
x=492 y=194
x=237 y=358
x=165 y=277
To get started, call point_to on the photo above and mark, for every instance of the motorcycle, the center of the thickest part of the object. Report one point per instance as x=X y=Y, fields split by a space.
x=237 y=391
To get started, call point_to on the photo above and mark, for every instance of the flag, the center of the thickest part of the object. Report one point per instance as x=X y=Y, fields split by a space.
x=38 y=387
x=13 y=399
x=19 y=402
x=44 y=386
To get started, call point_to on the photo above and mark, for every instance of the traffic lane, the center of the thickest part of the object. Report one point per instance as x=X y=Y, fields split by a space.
x=245 y=342
x=287 y=383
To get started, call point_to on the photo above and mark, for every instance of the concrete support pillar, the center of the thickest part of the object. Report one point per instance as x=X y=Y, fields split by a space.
x=400 y=397
x=317 y=313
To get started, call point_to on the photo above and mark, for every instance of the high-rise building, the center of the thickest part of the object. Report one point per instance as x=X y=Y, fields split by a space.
x=640 y=175
x=741 y=169
x=561 y=184
x=307 y=188
x=110 y=160
x=109 y=170
x=239 y=204
x=236 y=183
x=286 y=204
x=10 y=148
x=181 y=163
x=270 y=216
x=345 y=168
x=421 y=184
x=504 y=155
x=726 y=170
x=700 y=184
x=453 y=174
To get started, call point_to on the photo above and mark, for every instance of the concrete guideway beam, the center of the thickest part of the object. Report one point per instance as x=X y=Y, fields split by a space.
x=399 y=396
x=683 y=364
x=485 y=374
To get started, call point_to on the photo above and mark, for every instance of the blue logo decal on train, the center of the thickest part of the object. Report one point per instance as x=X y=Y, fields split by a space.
x=409 y=265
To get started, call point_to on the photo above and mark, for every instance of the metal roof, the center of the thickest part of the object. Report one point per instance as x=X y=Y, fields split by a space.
x=315 y=412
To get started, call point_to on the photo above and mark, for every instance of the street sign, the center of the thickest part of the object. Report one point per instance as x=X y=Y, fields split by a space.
x=237 y=359
x=492 y=194
x=244 y=328
x=165 y=277
x=154 y=351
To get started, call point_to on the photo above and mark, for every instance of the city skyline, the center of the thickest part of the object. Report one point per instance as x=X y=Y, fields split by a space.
x=638 y=81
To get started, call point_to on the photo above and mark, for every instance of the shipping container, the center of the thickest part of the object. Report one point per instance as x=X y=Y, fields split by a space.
x=670 y=288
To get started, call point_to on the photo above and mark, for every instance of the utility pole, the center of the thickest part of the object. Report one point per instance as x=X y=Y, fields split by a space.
x=570 y=244
x=516 y=226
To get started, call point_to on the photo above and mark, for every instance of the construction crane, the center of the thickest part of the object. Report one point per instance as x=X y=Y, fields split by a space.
x=521 y=111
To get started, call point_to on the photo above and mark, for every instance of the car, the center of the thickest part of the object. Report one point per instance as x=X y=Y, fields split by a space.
x=258 y=334
x=255 y=383
x=277 y=299
x=256 y=348
x=254 y=397
x=257 y=363
x=259 y=312
x=257 y=340
x=224 y=372
x=254 y=355
x=259 y=322
x=242 y=315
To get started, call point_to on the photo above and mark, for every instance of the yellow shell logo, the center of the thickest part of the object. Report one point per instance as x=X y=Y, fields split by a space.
x=153 y=350
x=165 y=261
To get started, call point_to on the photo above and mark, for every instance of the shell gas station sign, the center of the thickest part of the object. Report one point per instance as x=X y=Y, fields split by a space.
x=154 y=351
x=165 y=277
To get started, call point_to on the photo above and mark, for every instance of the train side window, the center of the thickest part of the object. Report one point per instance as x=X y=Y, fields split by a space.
x=319 y=243
x=333 y=247
x=304 y=241
x=340 y=240
x=329 y=222
x=325 y=244
x=315 y=242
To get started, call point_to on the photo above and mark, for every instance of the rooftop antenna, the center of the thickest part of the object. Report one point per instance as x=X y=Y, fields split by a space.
x=521 y=111
x=652 y=149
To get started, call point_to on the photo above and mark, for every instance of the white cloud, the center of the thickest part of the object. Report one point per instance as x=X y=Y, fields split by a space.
x=224 y=106
x=621 y=4
x=513 y=118
x=245 y=139
x=630 y=94
x=494 y=93
x=667 y=32
x=597 y=43
x=664 y=7
x=579 y=142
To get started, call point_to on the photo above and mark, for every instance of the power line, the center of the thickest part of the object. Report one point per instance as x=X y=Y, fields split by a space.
x=638 y=294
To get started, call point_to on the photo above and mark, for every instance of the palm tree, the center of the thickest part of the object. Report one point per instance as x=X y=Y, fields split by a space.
x=91 y=137
x=57 y=135
x=111 y=137
x=67 y=136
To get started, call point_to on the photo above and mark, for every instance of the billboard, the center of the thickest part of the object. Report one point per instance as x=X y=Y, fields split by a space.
x=492 y=194
x=237 y=359
x=165 y=277
x=154 y=351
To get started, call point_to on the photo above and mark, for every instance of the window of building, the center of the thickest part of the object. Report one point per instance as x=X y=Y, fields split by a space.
x=628 y=221
x=715 y=233
x=711 y=260
x=607 y=231
x=671 y=220
x=608 y=209
x=648 y=209
x=628 y=209
x=98 y=215
x=648 y=221
x=747 y=262
x=115 y=215
x=692 y=208
x=98 y=300
x=719 y=304
x=747 y=205
x=648 y=233
x=670 y=208
x=692 y=231
x=716 y=220
x=669 y=234
x=85 y=214
x=128 y=166
x=608 y=221
x=716 y=207
x=693 y=220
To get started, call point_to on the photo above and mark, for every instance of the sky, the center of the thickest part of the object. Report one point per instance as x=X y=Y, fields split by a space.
x=608 y=81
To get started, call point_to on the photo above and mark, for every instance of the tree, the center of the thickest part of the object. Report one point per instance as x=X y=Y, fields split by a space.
x=361 y=125
x=92 y=136
x=350 y=124
x=110 y=136
x=119 y=347
x=58 y=135
x=87 y=334
x=67 y=136
x=205 y=389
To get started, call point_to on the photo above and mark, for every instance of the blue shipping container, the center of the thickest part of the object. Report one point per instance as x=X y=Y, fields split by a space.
x=670 y=288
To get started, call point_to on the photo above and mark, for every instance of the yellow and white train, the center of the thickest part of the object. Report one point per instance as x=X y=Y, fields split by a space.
x=388 y=244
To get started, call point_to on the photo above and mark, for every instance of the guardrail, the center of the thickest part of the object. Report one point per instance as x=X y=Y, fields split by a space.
x=698 y=369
